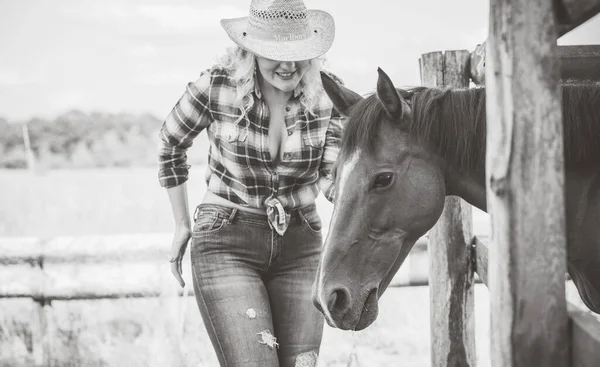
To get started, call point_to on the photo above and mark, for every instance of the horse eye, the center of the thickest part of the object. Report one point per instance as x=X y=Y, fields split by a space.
x=383 y=180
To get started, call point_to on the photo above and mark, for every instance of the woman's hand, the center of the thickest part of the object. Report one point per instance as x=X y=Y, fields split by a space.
x=180 y=241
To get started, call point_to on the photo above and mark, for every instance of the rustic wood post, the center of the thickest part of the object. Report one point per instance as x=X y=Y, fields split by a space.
x=450 y=263
x=28 y=151
x=525 y=187
x=41 y=335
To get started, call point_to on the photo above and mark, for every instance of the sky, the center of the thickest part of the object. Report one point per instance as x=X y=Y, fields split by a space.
x=128 y=56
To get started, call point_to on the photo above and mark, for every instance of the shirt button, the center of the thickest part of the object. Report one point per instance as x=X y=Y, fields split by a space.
x=290 y=132
x=287 y=109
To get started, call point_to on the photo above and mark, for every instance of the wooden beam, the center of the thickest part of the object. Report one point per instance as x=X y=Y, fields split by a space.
x=450 y=264
x=580 y=62
x=576 y=62
x=86 y=249
x=572 y=13
x=585 y=338
x=481 y=259
x=525 y=187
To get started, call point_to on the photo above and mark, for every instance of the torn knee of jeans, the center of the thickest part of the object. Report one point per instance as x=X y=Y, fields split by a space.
x=307 y=359
x=268 y=339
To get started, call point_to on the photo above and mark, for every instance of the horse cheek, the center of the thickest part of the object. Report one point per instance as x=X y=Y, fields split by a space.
x=430 y=194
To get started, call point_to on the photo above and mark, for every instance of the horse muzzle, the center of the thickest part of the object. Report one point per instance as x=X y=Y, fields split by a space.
x=343 y=312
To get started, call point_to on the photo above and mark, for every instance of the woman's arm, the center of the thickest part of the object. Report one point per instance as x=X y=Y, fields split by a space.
x=183 y=228
x=188 y=118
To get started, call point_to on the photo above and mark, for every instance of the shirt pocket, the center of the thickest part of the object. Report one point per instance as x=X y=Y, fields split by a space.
x=312 y=151
x=232 y=142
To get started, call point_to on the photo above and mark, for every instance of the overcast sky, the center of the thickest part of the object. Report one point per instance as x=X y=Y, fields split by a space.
x=136 y=56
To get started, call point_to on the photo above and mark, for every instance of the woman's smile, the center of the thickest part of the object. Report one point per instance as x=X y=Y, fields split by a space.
x=286 y=75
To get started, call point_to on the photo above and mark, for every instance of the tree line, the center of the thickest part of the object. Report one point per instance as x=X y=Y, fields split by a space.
x=87 y=140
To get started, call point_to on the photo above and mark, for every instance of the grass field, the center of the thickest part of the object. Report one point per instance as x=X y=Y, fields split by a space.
x=168 y=331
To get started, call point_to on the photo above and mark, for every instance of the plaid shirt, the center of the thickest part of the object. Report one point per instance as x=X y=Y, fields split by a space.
x=240 y=168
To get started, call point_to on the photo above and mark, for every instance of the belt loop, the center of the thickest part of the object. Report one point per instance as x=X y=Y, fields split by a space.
x=232 y=215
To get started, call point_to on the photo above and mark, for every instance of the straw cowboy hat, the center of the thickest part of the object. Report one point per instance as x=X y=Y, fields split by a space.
x=282 y=30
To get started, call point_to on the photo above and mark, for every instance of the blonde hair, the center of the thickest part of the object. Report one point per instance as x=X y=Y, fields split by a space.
x=241 y=65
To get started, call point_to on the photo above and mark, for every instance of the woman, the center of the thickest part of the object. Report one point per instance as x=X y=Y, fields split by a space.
x=273 y=138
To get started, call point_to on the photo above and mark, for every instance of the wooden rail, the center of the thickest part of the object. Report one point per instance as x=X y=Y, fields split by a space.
x=576 y=63
x=572 y=13
x=110 y=267
x=101 y=267
x=584 y=328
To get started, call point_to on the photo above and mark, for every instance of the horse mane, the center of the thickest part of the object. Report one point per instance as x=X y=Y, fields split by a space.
x=454 y=120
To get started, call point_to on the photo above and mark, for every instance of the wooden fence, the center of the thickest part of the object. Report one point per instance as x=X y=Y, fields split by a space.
x=531 y=324
x=109 y=267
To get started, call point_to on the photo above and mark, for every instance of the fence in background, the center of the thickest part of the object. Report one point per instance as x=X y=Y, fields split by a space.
x=522 y=60
x=109 y=267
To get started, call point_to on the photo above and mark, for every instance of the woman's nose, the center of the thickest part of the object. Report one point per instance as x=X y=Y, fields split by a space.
x=288 y=65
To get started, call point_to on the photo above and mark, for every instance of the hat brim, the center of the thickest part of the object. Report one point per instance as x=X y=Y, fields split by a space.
x=321 y=37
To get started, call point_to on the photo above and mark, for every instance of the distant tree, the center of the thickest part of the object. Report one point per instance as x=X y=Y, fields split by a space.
x=79 y=140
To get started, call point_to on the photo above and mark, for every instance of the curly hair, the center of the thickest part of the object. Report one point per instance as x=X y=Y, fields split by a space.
x=241 y=65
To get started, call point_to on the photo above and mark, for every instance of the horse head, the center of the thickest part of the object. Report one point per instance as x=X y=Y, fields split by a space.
x=389 y=192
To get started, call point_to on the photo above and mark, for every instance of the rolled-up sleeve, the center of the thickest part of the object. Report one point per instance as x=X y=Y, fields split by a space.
x=330 y=154
x=188 y=118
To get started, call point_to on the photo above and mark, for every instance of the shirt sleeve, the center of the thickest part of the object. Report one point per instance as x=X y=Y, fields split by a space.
x=330 y=152
x=186 y=120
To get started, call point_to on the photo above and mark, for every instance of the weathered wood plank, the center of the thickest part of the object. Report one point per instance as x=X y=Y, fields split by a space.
x=42 y=330
x=579 y=62
x=431 y=66
x=525 y=187
x=86 y=249
x=28 y=250
x=122 y=266
x=584 y=332
x=450 y=265
x=572 y=13
x=576 y=62
x=481 y=259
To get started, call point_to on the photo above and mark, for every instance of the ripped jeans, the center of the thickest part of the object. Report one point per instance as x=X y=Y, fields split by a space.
x=253 y=286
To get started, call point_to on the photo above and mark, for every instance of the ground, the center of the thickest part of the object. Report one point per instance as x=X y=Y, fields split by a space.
x=168 y=330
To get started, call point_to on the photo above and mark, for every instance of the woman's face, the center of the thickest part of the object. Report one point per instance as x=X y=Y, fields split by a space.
x=282 y=75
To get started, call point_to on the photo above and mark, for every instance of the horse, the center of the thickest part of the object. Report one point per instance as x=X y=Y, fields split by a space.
x=402 y=152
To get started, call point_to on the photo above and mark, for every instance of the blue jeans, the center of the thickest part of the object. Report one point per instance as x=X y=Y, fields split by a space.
x=253 y=287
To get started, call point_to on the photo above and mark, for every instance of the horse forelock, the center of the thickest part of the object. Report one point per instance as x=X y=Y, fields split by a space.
x=364 y=121
x=453 y=121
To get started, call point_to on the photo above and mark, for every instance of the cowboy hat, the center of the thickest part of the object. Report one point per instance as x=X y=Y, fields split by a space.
x=282 y=30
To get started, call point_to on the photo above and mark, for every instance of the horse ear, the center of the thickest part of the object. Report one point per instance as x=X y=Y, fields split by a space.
x=343 y=98
x=393 y=103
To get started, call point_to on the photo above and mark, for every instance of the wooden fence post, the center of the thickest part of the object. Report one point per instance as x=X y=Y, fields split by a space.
x=450 y=264
x=525 y=187
x=41 y=335
x=28 y=151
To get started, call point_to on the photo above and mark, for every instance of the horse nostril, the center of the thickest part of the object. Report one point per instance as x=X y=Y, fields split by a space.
x=338 y=300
